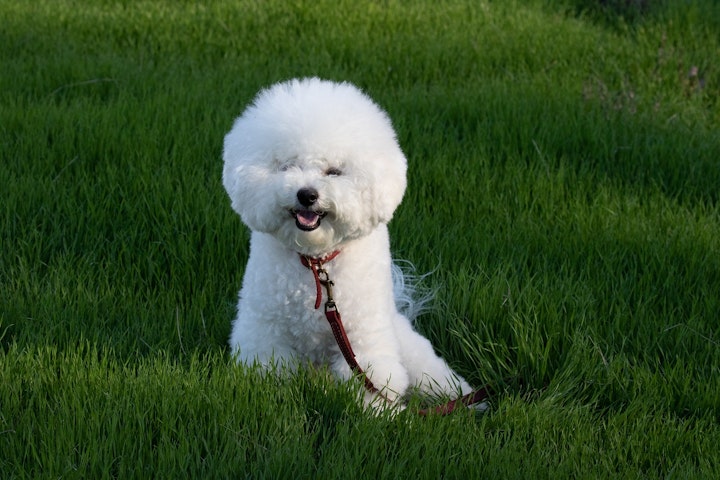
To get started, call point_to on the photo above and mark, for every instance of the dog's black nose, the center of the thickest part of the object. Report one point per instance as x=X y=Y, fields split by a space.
x=307 y=196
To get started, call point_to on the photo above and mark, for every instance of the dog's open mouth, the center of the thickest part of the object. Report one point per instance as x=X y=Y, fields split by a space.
x=307 y=220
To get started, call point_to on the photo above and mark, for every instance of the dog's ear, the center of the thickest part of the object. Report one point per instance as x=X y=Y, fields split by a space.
x=243 y=167
x=390 y=185
x=230 y=182
x=233 y=165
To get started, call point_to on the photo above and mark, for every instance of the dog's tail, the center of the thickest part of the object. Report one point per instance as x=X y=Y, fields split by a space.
x=412 y=298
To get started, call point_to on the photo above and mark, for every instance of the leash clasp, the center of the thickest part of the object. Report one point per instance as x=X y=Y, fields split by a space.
x=325 y=281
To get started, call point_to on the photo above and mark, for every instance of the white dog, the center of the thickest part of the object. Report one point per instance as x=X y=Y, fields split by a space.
x=315 y=171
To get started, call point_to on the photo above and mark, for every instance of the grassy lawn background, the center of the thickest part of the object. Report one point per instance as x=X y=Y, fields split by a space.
x=564 y=173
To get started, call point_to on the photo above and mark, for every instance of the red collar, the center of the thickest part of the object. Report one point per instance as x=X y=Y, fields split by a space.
x=309 y=261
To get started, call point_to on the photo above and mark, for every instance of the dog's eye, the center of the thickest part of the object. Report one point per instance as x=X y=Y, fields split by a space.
x=333 y=172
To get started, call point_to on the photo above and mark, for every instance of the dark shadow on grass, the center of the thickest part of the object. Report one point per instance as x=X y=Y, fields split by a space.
x=544 y=129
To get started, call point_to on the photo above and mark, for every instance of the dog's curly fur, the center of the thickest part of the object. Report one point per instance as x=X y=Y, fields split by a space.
x=313 y=167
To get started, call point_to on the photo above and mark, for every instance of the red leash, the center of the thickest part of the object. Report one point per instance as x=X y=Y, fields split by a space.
x=333 y=316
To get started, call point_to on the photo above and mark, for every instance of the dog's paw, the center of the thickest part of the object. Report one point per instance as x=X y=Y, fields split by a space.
x=481 y=407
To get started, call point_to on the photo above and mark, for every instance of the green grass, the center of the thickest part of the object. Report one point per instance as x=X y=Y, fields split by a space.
x=564 y=178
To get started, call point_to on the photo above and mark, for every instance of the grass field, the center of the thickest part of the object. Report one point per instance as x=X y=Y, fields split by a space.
x=564 y=187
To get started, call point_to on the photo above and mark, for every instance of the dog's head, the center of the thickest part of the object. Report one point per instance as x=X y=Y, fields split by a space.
x=313 y=163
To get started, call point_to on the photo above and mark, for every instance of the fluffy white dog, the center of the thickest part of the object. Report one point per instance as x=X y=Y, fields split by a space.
x=315 y=170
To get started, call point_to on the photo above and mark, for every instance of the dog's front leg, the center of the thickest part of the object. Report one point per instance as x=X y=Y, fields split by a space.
x=381 y=364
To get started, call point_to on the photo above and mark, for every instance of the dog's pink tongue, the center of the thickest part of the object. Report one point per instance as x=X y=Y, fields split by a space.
x=307 y=218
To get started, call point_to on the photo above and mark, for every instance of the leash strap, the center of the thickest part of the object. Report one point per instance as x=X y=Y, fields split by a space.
x=333 y=317
x=472 y=398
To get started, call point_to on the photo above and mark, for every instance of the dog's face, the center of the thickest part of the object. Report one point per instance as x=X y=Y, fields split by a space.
x=314 y=164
